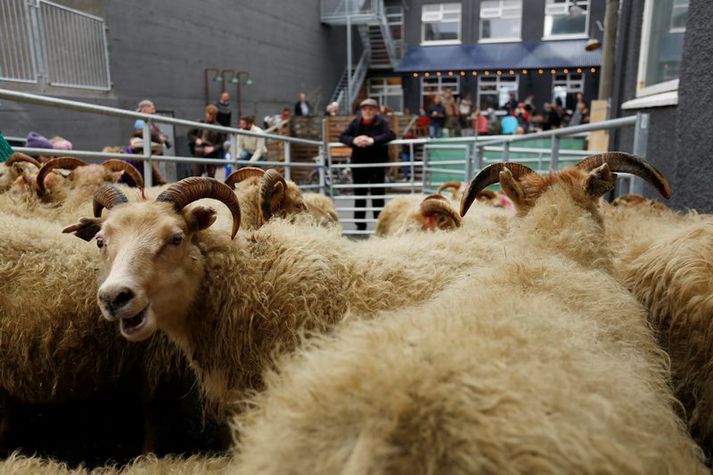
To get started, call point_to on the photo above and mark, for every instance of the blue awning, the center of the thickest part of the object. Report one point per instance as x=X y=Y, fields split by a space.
x=521 y=55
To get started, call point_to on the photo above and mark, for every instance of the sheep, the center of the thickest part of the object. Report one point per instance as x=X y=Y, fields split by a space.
x=411 y=213
x=637 y=200
x=230 y=304
x=14 y=167
x=321 y=209
x=53 y=196
x=665 y=259
x=54 y=346
x=490 y=197
x=148 y=465
x=541 y=363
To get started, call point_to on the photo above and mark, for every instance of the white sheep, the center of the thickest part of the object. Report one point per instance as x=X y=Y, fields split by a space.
x=541 y=363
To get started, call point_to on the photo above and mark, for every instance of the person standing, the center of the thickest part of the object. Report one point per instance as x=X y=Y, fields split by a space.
x=224 y=112
x=302 y=107
x=249 y=147
x=437 y=113
x=367 y=136
x=206 y=143
x=449 y=104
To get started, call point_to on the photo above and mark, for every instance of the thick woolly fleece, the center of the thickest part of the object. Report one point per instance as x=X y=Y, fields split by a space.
x=666 y=260
x=541 y=363
x=54 y=344
x=264 y=290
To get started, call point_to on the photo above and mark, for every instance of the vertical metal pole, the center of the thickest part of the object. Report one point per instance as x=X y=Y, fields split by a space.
x=505 y=154
x=349 y=57
x=322 y=176
x=234 y=151
x=326 y=149
x=641 y=139
x=412 y=175
x=469 y=161
x=424 y=166
x=555 y=156
x=288 y=168
x=148 y=169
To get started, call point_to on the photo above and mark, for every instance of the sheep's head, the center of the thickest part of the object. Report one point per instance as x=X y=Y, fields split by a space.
x=436 y=212
x=18 y=165
x=85 y=175
x=634 y=200
x=153 y=267
x=277 y=197
x=585 y=182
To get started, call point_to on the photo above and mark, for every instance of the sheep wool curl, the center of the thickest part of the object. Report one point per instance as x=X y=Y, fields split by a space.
x=665 y=259
x=540 y=363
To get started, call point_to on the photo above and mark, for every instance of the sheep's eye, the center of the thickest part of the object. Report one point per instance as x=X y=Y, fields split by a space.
x=177 y=239
x=100 y=242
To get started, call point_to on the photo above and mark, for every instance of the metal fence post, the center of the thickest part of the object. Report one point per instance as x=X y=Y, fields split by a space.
x=288 y=168
x=326 y=173
x=412 y=175
x=322 y=174
x=424 y=172
x=148 y=168
x=469 y=161
x=505 y=154
x=555 y=157
x=234 y=151
x=641 y=138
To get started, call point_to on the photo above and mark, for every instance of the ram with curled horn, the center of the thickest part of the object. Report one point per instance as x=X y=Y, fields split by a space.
x=413 y=213
x=16 y=166
x=587 y=180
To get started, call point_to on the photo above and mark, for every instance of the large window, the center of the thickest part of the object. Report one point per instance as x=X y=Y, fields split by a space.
x=500 y=20
x=440 y=23
x=566 y=18
x=565 y=88
x=433 y=85
x=387 y=91
x=494 y=91
x=661 y=45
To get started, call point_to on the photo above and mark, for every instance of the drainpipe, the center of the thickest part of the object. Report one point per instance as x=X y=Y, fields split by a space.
x=606 y=75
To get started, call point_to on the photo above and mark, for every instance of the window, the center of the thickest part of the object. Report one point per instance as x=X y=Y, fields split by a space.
x=500 y=20
x=435 y=85
x=565 y=88
x=494 y=91
x=387 y=91
x=566 y=18
x=662 y=36
x=440 y=23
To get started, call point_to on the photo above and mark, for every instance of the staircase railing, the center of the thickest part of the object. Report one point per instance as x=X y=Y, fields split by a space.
x=386 y=32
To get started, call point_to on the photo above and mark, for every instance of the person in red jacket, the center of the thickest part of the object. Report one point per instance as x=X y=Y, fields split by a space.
x=368 y=135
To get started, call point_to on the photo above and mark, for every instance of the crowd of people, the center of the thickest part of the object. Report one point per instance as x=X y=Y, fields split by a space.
x=446 y=112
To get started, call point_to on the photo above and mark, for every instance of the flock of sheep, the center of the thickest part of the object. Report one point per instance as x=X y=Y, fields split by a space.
x=537 y=330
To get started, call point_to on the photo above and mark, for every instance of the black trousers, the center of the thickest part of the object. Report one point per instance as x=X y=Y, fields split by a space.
x=365 y=176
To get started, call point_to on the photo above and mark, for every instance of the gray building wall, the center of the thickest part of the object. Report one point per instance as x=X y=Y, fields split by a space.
x=679 y=138
x=159 y=50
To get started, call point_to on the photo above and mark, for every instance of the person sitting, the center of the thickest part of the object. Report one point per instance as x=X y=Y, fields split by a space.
x=508 y=125
x=206 y=143
x=249 y=147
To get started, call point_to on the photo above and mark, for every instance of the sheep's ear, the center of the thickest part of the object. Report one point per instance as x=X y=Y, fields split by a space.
x=511 y=187
x=199 y=218
x=601 y=180
x=85 y=229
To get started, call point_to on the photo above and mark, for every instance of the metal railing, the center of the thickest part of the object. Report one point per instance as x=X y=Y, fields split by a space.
x=148 y=157
x=43 y=42
x=415 y=174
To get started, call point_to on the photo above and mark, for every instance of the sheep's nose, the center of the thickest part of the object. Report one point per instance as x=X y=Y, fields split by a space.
x=114 y=298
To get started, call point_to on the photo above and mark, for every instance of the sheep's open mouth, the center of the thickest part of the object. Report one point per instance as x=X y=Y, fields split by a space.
x=135 y=323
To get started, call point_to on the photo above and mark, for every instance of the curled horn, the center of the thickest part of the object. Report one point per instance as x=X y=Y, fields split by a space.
x=21 y=157
x=191 y=189
x=435 y=196
x=122 y=166
x=267 y=190
x=68 y=163
x=486 y=177
x=627 y=163
x=243 y=174
x=450 y=185
x=487 y=194
x=107 y=196
x=430 y=206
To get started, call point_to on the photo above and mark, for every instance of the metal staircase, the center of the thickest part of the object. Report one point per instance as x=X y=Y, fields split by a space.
x=381 y=33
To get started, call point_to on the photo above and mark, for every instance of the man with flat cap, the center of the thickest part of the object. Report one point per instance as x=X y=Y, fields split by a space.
x=368 y=135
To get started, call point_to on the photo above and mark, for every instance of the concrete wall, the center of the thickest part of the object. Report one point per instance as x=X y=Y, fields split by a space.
x=159 y=50
x=679 y=138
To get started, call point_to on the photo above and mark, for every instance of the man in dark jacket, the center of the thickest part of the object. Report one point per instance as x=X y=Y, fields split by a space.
x=224 y=112
x=368 y=135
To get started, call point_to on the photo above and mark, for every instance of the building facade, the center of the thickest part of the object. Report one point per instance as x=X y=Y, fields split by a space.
x=160 y=50
x=486 y=49
x=664 y=62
